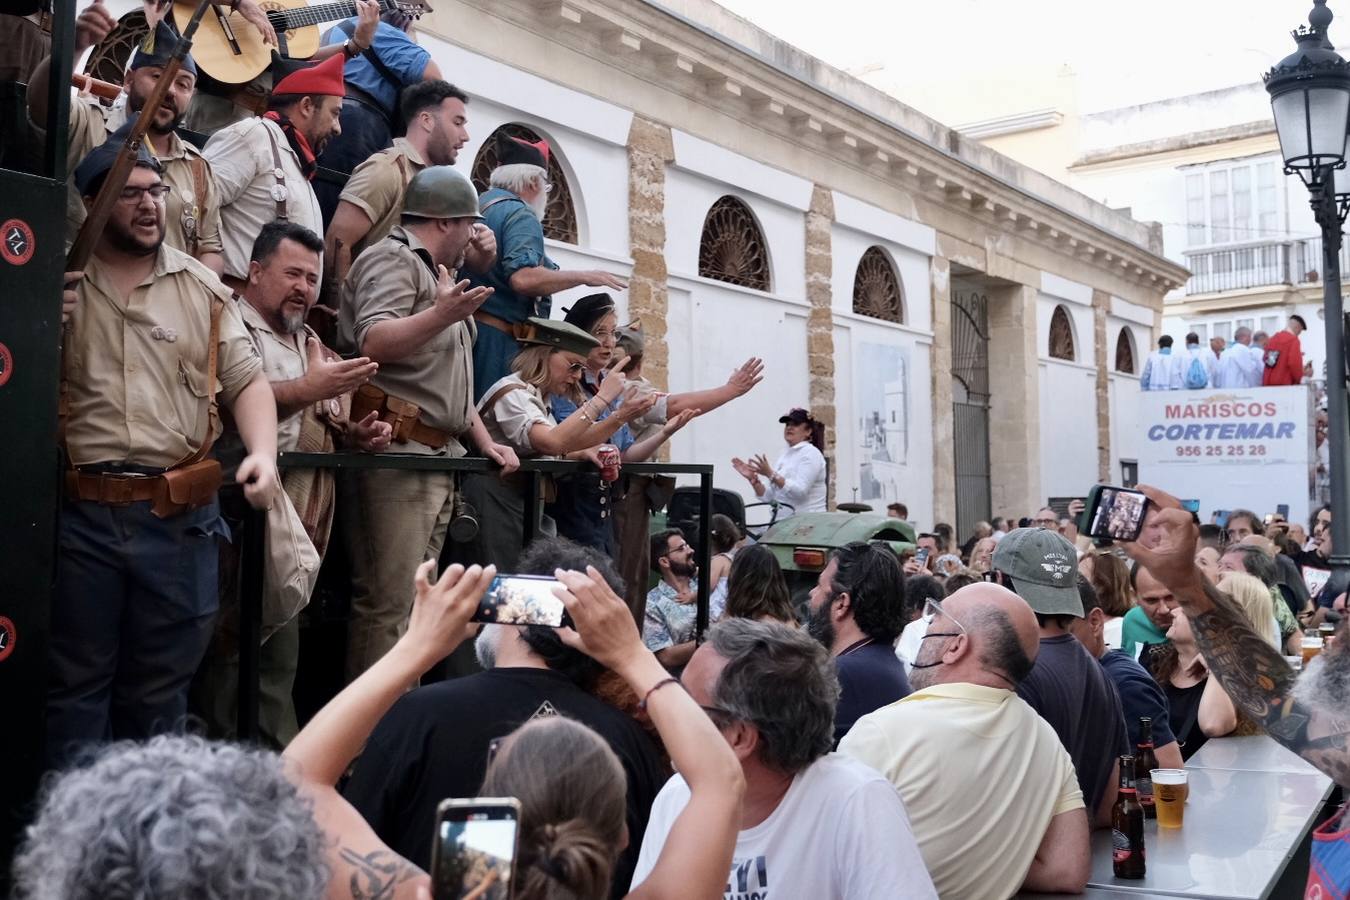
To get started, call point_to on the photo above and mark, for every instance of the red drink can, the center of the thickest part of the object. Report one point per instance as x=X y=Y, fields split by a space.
x=609 y=461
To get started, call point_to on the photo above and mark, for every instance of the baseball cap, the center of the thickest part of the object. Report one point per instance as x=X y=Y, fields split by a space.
x=1043 y=567
x=795 y=416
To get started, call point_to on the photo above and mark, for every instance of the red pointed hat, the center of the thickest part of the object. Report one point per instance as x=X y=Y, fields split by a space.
x=324 y=78
x=514 y=151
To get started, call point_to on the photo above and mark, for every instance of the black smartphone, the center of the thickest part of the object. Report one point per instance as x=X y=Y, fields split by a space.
x=474 y=848
x=1113 y=514
x=921 y=557
x=522 y=600
x=1191 y=506
x=1282 y=510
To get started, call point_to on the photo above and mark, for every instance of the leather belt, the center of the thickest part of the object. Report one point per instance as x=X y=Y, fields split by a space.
x=516 y=330
x=111 y=489
x=404 y=417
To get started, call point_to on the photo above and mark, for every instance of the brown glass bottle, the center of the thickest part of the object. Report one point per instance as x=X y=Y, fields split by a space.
x=1145 y=761
x=1127 y=826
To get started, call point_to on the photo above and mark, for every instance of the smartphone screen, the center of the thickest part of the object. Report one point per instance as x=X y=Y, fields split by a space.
x=474 y=848
x=921 y=556
x=1282 y=510
x=1221 y=518
x=1191 y=506
x=1117 y=514
x=522 y=600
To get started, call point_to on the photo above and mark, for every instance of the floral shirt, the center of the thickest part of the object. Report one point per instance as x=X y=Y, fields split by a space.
x=668 y=621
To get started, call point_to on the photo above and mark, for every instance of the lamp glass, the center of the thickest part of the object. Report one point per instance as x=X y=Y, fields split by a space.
x=1311 y=123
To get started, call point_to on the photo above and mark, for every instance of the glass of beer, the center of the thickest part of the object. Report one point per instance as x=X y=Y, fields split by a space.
x=1312 y=645
x=1169 y=796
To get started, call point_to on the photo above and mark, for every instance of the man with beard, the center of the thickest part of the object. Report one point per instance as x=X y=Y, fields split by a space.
x=263 y=166
x=153 y=340
x=672 y=608
x=1309 y=714
x=857 y=610
x=401 y=307
x=990 y=790
x=192 y=211
x=312 y=388
x=435 y=122
x=524 y=278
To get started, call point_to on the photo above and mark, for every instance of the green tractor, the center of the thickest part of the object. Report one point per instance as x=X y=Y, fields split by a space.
x=802 y=543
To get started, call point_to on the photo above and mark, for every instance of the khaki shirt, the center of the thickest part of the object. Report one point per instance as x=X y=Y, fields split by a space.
x=510 y=420
x=241 y=160
x=377 y=187
x=284 y=358
x=394 y=280
x=653 y=420
x=136 y=368
x=189 y=209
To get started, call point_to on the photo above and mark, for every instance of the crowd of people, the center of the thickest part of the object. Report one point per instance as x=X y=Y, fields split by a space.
x=1251 y=360
x=825 y=742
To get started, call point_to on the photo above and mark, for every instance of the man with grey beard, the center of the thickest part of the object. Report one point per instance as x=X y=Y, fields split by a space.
x=437 y=740
x=523 y=278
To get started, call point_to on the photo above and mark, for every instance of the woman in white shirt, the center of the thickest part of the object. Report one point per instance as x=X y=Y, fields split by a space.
x=797 y=479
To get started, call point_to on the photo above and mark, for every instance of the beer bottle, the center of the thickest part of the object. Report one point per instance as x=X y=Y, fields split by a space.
x=1127 y=826
x=1144 y=763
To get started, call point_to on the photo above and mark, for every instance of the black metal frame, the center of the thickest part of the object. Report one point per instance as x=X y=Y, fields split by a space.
x=250 y=593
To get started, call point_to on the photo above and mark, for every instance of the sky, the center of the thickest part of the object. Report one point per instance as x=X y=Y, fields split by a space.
x=1124 y=53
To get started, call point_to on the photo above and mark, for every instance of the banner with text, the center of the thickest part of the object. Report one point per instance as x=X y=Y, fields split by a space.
x=1249 y=448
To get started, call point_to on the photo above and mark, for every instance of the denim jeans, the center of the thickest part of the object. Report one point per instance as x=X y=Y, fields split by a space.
x=135 y=602
x=364 y=132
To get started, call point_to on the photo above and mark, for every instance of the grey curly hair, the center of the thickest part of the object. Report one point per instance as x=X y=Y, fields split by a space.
x=173 y=817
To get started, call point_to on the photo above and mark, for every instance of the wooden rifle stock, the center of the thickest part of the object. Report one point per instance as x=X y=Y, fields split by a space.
x=117 y=176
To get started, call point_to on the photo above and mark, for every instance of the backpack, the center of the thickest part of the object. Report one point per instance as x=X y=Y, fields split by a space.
x=1196 y=376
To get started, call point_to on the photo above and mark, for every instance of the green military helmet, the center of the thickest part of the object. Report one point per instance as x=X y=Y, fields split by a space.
x=441 y=192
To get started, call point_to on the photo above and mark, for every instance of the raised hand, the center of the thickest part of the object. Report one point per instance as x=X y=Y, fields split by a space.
x=331 y=376
x=614 y=381
x=760 y=464
x=680 y=420
x=604 y=279
x=441 y=611
x=455 y=300
x=635 y=405
x=744 y=468
x=747 y=376
x=1167 y=546
x=367 y=20
x=92 y=26
x=603 y=625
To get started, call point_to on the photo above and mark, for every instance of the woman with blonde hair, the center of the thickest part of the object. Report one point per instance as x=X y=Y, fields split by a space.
x=1256 y=601
x=1111 y=580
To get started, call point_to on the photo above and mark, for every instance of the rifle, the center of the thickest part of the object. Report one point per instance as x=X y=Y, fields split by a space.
x=117 y=176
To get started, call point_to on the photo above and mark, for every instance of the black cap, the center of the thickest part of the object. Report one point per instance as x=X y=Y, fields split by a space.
x=1299 y=319
x=589 y=310
x=101 y=159
x=795 y=416
x=515 y=152
x=157 y=48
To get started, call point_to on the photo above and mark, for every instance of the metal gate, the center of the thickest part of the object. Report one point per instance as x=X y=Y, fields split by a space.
x=970 y=413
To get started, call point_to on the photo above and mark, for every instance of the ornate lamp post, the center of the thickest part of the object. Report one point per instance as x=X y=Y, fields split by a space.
x=1310 y=96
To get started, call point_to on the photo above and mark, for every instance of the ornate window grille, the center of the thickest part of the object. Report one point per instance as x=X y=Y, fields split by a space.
x=1061 y=335
x=732 y=248
x=876 y=290
x=1124 y=352
x=560 y=215
x=108 y=62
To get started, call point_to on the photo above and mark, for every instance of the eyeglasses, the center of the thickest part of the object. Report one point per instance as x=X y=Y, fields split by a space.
x=157 y=193
x=933 y=609
x=547 y=187
x=1045 y=523
x=574 y=368
x=680 y=549
x=606 y=335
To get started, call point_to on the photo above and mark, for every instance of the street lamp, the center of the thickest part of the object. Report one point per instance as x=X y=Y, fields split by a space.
x=1310 y=97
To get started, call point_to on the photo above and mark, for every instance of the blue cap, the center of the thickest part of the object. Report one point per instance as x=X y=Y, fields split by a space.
x=157 y=48
x=102 y=157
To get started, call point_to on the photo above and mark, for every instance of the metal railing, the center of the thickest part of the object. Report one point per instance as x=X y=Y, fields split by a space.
x=254 y=546
x=1260 y=264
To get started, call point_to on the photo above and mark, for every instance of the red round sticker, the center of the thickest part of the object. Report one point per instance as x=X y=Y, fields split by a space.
x=8 y=635
x=6 y=364
x=16 y=242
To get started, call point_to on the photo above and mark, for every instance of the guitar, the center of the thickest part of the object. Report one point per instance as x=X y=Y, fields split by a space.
x=231 y=51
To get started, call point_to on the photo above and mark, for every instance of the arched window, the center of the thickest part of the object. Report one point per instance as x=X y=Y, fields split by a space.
x=876 y=290
x=1061 y=335
x=1125 y=352
x=108 y=62
x=560 y=215
x=732 y=248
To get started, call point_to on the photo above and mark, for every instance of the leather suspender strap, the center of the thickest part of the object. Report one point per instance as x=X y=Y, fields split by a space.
x=492 y=401
x=212 y=405
x=199 y=176
x=491 y=203
x=279 y=191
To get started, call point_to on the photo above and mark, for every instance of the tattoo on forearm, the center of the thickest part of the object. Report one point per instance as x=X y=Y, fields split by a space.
x=1260 y=684
x=376 y=875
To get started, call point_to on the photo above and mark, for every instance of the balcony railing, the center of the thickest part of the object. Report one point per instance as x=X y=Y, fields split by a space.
x=1257 y=265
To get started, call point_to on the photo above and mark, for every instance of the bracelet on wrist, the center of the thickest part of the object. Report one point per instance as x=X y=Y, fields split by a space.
x=642 y=705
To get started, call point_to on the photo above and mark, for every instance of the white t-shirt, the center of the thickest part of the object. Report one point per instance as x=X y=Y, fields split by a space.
x=981 y=775
x=840 y=833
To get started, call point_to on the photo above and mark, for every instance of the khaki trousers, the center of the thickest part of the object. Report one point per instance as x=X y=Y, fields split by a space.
x=394 y=520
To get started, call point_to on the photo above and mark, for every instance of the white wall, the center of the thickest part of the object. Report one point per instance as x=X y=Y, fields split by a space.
x=1068 y=394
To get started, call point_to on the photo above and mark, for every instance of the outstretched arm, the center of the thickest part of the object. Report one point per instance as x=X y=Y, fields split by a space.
x=1253 y=673
x=739 y=384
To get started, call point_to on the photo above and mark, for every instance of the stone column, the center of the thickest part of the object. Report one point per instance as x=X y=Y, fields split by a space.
x=1101 y=305
x=940 y=366
x=650 y=150
x=1014 y=408
x=820 y=322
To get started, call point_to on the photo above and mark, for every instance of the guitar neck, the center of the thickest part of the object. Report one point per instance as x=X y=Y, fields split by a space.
x=325 y=12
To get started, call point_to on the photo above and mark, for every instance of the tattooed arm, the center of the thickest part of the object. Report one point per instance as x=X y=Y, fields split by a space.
x=1253 y=673
x=362 y=866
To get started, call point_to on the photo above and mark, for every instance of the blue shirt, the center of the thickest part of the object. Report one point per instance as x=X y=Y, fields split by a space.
x=400 y=55
x=564 y=407
x=520 y=245
x=1140 y=696
x=870 y=677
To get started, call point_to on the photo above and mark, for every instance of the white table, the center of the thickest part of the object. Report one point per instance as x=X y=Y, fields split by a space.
x=1255 y=753
x=1241 y=829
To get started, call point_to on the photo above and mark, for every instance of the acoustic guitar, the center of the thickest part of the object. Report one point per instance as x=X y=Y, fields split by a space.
x=229 y=49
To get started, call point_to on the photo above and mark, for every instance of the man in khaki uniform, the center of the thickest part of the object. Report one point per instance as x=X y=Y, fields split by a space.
x=401 y=308
x=435 y=120
x=192 y=209
x=312 y=388
x=153 y=340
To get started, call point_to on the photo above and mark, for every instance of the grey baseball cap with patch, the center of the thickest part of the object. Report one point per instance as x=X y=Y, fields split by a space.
x=1043 y=567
